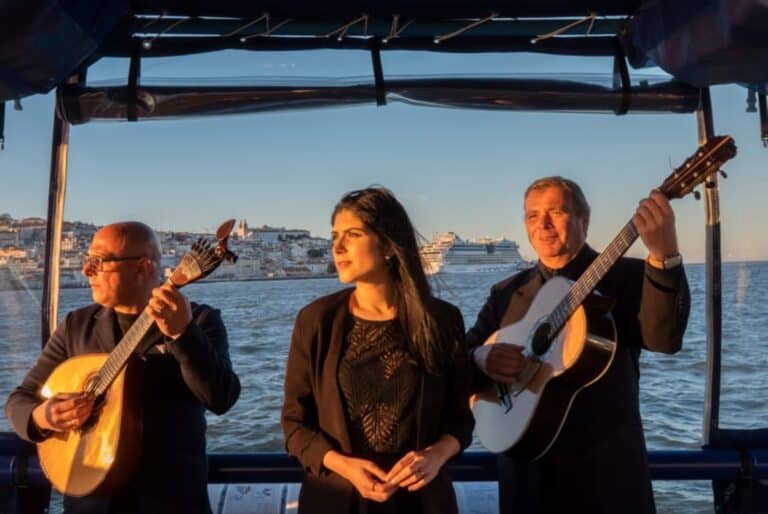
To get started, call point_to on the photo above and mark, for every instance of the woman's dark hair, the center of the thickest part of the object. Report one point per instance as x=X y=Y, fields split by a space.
x=385 y=216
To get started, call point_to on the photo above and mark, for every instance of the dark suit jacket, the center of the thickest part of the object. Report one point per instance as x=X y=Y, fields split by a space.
x=314 y=419
x=598 y=463
x=194 y=374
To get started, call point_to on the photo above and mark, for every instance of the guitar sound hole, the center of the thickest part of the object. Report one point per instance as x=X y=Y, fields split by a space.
x=540 y=342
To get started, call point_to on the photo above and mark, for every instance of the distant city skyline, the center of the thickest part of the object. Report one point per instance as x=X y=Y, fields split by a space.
x=454 y=170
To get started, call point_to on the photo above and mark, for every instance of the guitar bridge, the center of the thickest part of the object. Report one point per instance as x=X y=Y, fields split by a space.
x=504 y=397
x=525 y=377
x=506 y=392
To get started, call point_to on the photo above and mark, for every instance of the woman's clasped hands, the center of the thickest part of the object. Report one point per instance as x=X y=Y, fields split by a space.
x=369 y=479
x=416 y=469
x=413 y=471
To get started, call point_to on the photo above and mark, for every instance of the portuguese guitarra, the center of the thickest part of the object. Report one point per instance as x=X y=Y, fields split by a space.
x=100 y=456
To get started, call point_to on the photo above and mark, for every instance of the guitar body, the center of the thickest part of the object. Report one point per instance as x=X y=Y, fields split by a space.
x=573 y=337
x=101 y=456
x=578 y=356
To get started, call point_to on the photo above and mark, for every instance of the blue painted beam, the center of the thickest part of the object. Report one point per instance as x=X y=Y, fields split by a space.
x=472 y=466
x=20 y=470
x=279 y=467
x=695 y=464
x=481 y=466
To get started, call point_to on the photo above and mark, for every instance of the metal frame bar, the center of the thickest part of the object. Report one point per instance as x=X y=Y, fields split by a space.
x=482 y=466
x=378 y=72
x=178 y=46
x=57 y=188
x=2 y=126
x=303 y=27
x=763 y=118
x=713 y=279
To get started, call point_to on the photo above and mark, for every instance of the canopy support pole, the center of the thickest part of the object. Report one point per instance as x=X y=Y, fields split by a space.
x=713 y=279
x=378 y=72
x=621 y=78
x=134 y=74
x=763 y=118
x=2 y=125
x=57 y=188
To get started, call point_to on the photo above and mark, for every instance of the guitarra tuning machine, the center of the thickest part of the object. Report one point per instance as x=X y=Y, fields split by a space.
x=230 y=257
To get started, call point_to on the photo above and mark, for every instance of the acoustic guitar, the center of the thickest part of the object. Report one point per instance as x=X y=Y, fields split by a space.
x=103 y=454
x=568 y=337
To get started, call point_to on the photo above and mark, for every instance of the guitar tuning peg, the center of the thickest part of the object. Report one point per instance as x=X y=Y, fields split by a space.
x=230 y=257
x=723 y=173
x=697 y=195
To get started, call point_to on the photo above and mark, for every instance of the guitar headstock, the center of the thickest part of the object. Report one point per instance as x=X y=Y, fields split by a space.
x=706 y=161
x=203 y=258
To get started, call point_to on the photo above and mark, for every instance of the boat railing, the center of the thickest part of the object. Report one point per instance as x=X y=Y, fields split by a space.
x=481 y=466
x=21 y=476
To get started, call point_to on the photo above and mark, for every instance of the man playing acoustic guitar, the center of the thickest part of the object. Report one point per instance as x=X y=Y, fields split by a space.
x=598 y=462
x=186 y=369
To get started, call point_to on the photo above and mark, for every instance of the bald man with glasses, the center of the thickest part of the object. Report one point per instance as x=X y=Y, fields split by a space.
x=186 y=371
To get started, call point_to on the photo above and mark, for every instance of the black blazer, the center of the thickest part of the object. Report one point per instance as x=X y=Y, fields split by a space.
x=313 y=416
x=178 y=386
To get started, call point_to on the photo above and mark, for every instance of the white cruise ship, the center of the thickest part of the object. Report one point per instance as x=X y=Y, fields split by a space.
x=449 y=253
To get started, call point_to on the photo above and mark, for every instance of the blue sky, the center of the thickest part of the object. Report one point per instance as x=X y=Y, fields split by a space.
x=458 y=170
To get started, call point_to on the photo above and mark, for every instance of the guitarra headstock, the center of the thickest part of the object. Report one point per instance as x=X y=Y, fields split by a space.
x=695 y=170
x=203 y=258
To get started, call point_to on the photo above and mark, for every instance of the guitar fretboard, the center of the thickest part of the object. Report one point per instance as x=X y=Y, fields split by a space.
x=118 y=358
x=589 y=279
x=122 y=352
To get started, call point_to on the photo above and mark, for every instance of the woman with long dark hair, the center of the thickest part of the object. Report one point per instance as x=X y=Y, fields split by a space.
x=377 y=386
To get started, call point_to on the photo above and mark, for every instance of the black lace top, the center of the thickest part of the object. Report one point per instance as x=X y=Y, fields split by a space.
x=379 y=381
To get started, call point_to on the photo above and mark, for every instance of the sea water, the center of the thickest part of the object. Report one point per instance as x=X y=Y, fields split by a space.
x=259 y=316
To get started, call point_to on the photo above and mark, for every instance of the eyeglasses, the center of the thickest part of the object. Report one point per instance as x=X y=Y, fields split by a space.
x=96 y=263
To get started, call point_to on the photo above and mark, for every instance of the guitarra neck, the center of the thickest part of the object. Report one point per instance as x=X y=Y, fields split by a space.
x=591 y=277
x=118 y=358
x=201 y=260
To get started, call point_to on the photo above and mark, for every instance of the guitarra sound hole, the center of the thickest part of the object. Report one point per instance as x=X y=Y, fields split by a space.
x=91 y=386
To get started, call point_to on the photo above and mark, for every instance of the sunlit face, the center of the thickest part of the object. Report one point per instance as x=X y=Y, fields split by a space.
x=122 y=285
x=357 y=252
x=555 y=233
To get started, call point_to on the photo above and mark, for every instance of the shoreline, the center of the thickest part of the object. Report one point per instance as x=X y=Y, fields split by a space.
x=11 y=283
x=268 y=279
x=16 y=285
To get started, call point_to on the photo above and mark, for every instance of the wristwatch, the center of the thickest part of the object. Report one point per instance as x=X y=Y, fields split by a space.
x=669 y=262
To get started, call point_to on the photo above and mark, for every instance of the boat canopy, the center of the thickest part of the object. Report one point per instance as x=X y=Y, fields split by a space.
x=47 y=44
x=699 y=42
